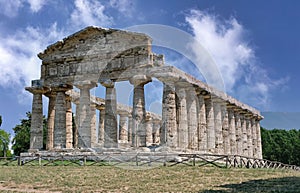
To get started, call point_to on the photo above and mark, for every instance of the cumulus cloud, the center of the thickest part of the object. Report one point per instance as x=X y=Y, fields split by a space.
x=123 y=6
x=90 y=12
x=19 y=63
x=235 y=58
x=10 y=8
x=36 y=5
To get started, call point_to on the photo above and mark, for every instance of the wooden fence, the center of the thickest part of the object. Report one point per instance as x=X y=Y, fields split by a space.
x=147 y=160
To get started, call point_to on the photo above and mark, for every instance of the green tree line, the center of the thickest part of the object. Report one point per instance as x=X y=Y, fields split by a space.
x=281 y=145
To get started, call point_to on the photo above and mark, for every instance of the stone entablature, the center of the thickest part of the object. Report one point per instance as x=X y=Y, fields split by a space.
x=195 y=116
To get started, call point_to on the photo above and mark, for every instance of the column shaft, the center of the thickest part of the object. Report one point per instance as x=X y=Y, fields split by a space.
x=202 y=138
x=60 y=120
x=50 y=122
x=123 y=134
x=69 y=124
x=36 y=130
x=130 y=122
x=239 y=143
x=148 y=126
x=244 y=136
x=232 y=132
x=258 y=135
x=93 y=125
x=182 y=118
x=225 y=131
x=156 y=131
x=101 y=126
x=254 y=140
x=192 y=119
x=210 y=125
x=218 y=128
x=249 y=137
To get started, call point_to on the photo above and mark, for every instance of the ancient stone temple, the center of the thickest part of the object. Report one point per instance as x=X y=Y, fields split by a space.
x=195 y=117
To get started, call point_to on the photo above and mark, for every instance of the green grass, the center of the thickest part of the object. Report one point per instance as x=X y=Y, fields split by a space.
x=159 y=179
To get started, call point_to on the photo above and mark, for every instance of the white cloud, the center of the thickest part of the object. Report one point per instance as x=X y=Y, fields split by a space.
x=10 y=8
x=234 y=57
x=90 y=12
x=36 y=5
x=125 y=7
x=19 y=63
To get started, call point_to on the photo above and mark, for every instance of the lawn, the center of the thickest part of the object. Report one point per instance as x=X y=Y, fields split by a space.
x=159 y=179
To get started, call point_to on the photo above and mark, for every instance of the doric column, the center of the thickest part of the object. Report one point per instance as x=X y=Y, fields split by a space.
x=210 y=125
x=244 y=135
x=232 y=130
x=75 y=131
x=249 y=135
x=156 y=131
x=110 y=122
x=36 y=130
x=238 y=133
x=123 y=132
x=139 y=112
x=93 y=125
x=202 y=137
x=84 y=129
x=182 y=117
x=50 y=120
x=254 y=137
x=225 y=130
x=148 y=127
x=60 y=116
x=69 y=124
x=129 y=134
x=218 y=127
x=101 y=125
x=258 y=135
x=169 y=125
x=192 y=118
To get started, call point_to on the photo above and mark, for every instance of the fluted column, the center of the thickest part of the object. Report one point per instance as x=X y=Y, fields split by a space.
x=93 y=125
x=36 y=130
x=75 y=131
x=50 y=120
x=182 y=117
x=249 y=136
x=69 y=124
x=244 y=135
x=139 y=112
x=232 y=131
x=238 y=134
x=254 y=137
x=192 y=118
x=169 y=125
x=258 y=135
x=156 y=131
x=60 y=117
x=101 y=125
x=225 y=130
x=123 y=132
x=218 y=127
x=84 y=129
x=202 y=129
x=148 y=127
x=130 y=122
x=110 y=122
x=210 y=125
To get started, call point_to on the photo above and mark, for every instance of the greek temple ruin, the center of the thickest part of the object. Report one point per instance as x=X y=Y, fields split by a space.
x=195 y=116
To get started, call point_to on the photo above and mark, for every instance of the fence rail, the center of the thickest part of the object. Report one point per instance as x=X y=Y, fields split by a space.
x=146 y=160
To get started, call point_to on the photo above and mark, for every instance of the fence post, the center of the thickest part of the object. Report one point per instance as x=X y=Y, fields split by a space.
x=40 y=160
x=194 y=159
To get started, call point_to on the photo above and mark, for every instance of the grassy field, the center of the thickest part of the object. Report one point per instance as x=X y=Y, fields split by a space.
x=160 y=179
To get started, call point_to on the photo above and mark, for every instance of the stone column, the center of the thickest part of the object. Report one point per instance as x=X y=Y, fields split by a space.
x=192 y=118
x=101 y=125
x=84 y=129
x=218 y=127
x=238 y=134
x=244 y=135
x=36 y=129
x=75 y=131
x=210 y=125
x=148 y=126
x=249 y=136
x=225 y=130
x=202 y=137
x=169 y=125
x=156 y=131
x=60 y=117
x=182 y=117
x=93 y=125
x=258 y=135
x=69 y=124
x=232 y=132
x=110 y=122
x=50 y=120
x=139 y=112
x=123 y=131
x=254 y=137
x=130 y=122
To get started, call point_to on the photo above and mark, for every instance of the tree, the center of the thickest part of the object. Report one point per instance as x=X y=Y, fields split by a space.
x=4 y=141
x=21 y=141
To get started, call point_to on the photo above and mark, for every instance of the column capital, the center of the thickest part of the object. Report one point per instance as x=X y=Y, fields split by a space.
x=85 y=84
x=61 y=88
x=139 y=80
x=37 y=90
x=108 y=83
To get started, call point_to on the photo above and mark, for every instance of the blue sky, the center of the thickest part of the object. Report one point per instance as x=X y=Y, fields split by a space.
x=255 y=44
